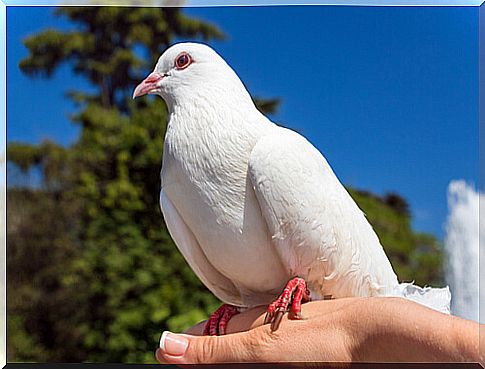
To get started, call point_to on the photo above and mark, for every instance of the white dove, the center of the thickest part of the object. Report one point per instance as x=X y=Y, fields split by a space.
x=254 y=207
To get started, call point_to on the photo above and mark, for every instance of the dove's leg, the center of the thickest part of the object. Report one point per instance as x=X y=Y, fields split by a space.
x=217 y=323
x=295 y=293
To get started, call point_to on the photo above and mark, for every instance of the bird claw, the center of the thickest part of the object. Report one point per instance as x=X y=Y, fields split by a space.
x=295 y=292
x=267 y=318
x=275 y=324
x=217 y=323
x=296 y=316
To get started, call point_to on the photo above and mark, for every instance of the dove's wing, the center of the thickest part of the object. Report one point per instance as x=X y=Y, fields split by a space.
x=188 y=245
x=318 y=230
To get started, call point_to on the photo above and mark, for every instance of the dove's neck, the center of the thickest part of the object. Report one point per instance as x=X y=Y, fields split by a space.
x=218 y=94
x=227 y=125
x=217 y=111
x=211 y=137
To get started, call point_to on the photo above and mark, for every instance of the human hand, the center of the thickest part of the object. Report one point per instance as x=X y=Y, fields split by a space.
x=344 y=330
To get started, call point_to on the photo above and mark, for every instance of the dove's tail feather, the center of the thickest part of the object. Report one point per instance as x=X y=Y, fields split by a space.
x=435 y=298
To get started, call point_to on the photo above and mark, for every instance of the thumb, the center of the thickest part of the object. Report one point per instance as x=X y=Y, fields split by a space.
x=187 y=349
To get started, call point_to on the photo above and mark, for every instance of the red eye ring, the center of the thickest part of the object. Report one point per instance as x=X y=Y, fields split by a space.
x=183 y=60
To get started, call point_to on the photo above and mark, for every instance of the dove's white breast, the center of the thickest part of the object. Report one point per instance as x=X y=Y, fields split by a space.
x=205 y=176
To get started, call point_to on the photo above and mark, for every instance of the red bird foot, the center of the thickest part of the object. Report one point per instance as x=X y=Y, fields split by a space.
x=217 y=323
x=295 y=293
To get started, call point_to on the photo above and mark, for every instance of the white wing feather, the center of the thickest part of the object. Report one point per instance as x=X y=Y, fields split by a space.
x=318 y=230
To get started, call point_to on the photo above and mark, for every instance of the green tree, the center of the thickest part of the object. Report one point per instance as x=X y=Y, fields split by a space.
x=95 y=223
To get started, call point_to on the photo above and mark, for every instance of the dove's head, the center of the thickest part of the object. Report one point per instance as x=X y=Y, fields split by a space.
x=189 y=70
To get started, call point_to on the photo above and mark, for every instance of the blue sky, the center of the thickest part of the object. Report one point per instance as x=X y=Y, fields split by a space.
x=388 y=95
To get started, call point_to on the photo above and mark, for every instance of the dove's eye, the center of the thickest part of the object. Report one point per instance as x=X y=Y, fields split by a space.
x=183 y=61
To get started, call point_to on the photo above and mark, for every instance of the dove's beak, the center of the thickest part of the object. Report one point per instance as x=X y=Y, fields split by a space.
x=148 y=85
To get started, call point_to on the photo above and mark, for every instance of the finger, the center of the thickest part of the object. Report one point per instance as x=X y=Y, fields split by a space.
x=246 y=320
x=159 y=357
x=187 y=349
x=196 y=330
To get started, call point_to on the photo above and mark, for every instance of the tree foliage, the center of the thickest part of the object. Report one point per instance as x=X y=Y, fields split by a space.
x=113 y=47
x=109 y=279
x=93 y=274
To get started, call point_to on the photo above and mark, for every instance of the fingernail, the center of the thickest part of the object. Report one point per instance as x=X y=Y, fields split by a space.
x=173 y=344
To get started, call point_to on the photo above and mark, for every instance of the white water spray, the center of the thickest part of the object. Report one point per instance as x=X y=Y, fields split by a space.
x=462 y=249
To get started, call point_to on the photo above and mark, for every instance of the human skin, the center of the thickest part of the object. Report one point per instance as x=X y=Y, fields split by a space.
x=377 y=329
